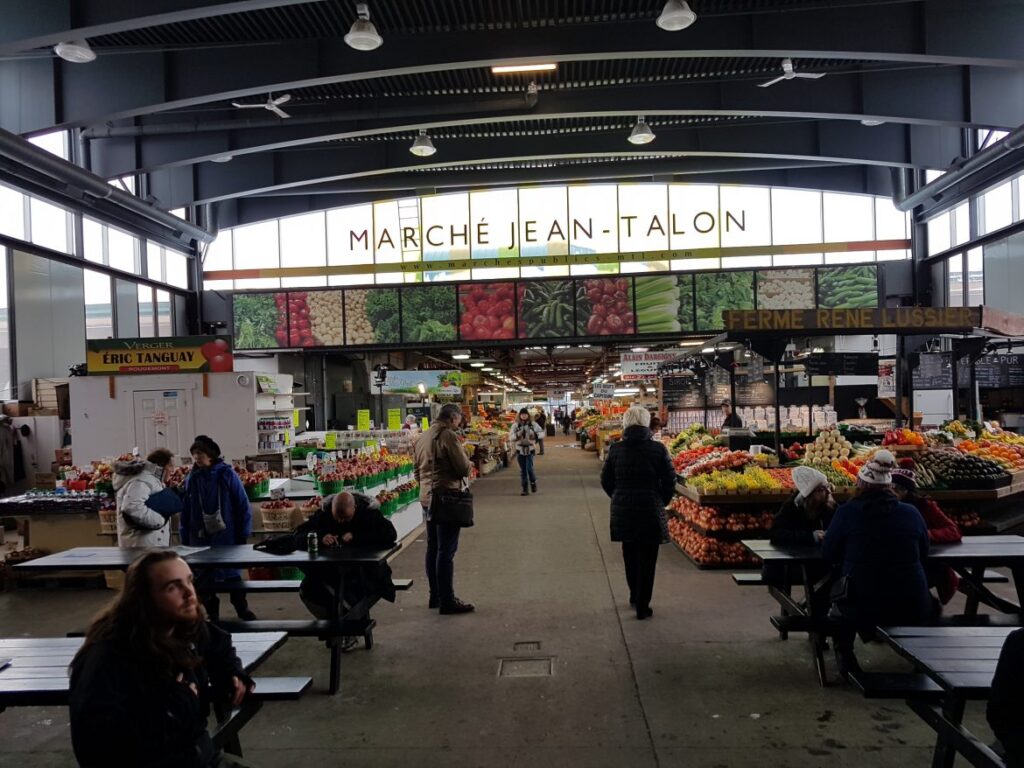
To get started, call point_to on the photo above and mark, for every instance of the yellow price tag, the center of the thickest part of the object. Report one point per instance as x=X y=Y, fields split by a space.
x=425 y=424
x=394 y=418
x=331 y=441
x=295 y=418
x=287 y=437
x=363 y=420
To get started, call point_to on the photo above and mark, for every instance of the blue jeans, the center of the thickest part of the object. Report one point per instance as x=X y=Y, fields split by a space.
x=442 y=544
x=526 y=469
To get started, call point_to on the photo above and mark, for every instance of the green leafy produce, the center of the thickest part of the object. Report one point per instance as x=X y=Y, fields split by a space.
x=686 y=302
x=719 y=291
x=657 y=304
x=256 y=320
x=371 y=316
x=428 y=313
x=848 y=287
x=546 y=309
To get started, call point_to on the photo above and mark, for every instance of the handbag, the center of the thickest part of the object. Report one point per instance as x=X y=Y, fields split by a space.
x=212 y=523
x=282 y=544
x=450 y=506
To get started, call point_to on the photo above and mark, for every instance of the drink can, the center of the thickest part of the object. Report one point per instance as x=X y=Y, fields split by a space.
x=312 y=544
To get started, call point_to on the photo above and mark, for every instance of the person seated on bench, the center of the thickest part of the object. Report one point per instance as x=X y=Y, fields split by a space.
x=1005 y=712
x=149 y=670
x=346 y=518
x=802 y=521
x=941 y=530
x=880 y=545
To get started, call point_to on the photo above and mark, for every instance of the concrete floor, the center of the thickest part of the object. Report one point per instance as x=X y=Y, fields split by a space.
x=703 y=683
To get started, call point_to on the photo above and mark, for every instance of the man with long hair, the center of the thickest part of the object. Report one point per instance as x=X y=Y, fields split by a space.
x=150 y=668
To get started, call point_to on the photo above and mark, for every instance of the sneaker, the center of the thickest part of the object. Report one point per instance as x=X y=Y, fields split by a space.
x=533 y=487
x=349 y=643
x=456 y=606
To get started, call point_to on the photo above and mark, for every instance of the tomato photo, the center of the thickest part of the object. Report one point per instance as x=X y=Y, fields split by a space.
x=487 y=311
x=604 y=307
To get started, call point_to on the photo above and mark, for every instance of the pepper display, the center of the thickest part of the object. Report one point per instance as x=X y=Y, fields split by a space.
x=546 y=309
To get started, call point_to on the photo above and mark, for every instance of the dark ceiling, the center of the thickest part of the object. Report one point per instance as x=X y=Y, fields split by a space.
x=157 y=100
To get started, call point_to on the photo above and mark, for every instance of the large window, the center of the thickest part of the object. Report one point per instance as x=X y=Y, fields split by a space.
x=6 y=384
x=147 y=320
x=12 y=213
x=50 y=225
x=99 y=315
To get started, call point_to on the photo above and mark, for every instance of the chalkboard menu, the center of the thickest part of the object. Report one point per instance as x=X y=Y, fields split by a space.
x=935 y=371
x=681 y=392
x=842 y=364
x=755 y=393
x=995 y=371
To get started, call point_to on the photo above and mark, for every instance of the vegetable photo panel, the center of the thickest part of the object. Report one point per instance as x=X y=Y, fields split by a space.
x=316 y=319
x=371 y=316
x=664 y=304
x=261 y=321
x=545 y=309
x=604 y=307
x=785 y=289
x=428 y=313
x=848 y=287
x=719 y=291
x=487 y=311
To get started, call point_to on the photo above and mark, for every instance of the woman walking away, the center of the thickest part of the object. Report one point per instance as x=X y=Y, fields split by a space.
x=144 y=507
x=525 y=436
x=216 y=513
x=880 y=545
x=639 y=478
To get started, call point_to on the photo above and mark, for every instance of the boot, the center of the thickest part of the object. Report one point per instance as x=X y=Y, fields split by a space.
x=533 y=487
x=456 y=606
x=525 y=492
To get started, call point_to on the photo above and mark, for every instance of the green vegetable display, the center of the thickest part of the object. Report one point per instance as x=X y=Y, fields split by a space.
x=657 y=304
x=848 y=287
x=371 y=316
x=256 y=321
x=428 y=313
x=546 y=309
x=718 y=291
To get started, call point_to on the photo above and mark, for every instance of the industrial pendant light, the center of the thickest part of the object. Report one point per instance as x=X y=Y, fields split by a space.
x=422 y=146
x=363 y=35
x=642 y=133
x=75 y=51
x=675 y=16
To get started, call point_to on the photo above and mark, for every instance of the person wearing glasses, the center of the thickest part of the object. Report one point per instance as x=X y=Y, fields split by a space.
x=806 y=514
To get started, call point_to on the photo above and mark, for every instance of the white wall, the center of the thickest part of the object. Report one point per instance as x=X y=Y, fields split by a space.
x=935 y=406
x=49 y=312
x=101 y=426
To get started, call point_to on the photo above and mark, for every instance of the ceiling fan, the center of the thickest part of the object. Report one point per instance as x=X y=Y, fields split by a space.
x=788 y=73
x=271 y=104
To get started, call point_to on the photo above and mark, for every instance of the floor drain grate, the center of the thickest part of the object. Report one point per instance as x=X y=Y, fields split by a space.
x=525 y=667
x=528 y=645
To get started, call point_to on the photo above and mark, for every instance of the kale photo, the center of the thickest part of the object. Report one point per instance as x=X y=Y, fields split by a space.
x=428 y=313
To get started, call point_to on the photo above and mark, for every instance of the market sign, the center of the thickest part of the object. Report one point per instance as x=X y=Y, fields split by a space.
x=865 y=320
x=643 y=366
x=439 y=382
x=842 y=364
x=604 y=391
x=180 y=354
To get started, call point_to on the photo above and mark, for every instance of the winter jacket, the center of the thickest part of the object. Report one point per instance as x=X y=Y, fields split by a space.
x=880 y=544
x=217 y=486
x=793 y=527
x=138 y=526
x=1005 y=711
x=941 y=530
x=452 y=465
x=123 y=716
x=525 y=436
x=639 y=478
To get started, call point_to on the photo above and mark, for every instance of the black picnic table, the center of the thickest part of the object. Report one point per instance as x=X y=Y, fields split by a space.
x=962 y=661
x=969 y=558
x=341 y=623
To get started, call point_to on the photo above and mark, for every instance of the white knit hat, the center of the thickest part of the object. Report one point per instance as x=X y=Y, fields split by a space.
x=806 y=479
x=878 y=471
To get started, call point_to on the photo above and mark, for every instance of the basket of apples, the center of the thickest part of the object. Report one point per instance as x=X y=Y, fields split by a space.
x=310 y=507
x=388 y=501
x=277 y=514
x=332 y=482
x=256 y=484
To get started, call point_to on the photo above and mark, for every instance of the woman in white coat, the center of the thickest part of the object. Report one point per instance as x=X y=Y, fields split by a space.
x=140 y=526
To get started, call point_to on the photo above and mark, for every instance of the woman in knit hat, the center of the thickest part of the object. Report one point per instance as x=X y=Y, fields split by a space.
x=880 y=544
x=802 y=520
x=941 y=530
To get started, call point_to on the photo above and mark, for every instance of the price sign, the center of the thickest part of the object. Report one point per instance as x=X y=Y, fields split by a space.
x=277 y=494
x=394 y=419
x=287 y=437
x=328 y=468
x=260 y=466
x=425 y=424
x=331 y=441
x=363 y=420
x=295 y=417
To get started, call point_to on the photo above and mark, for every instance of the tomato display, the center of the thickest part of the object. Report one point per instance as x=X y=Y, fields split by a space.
x=487 y=311
x=604 y=307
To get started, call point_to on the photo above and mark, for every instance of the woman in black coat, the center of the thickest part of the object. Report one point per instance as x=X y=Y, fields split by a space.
x=639 y=477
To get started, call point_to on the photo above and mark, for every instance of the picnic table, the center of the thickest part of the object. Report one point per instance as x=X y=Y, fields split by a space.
x=337 y=561
x=962 y=661
x=36 y=675
x=970 y=558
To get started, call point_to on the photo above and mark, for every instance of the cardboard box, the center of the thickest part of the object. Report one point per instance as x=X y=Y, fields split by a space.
x=14 y=408
x=45 y=480
x=63 y=456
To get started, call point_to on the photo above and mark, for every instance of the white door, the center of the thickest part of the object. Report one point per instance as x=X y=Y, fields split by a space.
x=164 y=419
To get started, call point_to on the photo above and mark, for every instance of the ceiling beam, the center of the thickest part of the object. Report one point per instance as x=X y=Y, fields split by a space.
x=982 y=33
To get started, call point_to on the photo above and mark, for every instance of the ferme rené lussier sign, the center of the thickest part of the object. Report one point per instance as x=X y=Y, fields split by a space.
x=550 y=220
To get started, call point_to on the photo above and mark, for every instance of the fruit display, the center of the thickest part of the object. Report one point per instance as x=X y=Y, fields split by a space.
x=1007 y=438
x=830 y=444
x=794 y=452
x=658 y=305
x=712 y=519
x=487 y=311
x=715 y=461
x=718 y=291
x=962 y=429
x=388 y=502
x=903 y=437
x=847 y=468
x=838 y=478
x=785 y=289
x=752 y=480
x=315 y=319
x=371 y=316
x=603 y=307
x=311 y=506
x=967 y=520
x=277 y=514
x=706 y=551
x=1009 y=457
x=684 y=459
x=260 y=320
x=848 y=287
x=256 y=484
x=546 y=309
x=954 y=469
x=429 y=313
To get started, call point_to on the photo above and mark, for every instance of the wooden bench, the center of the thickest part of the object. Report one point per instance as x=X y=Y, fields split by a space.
x=269 y=586
x=977 y=752
x=225 y=734
x=748 y=580
x=898 y=685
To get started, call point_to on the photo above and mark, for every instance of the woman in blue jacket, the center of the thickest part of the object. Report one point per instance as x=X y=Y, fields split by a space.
x=216 y=513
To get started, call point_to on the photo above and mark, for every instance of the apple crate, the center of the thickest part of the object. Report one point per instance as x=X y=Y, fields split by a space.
x=108 y=521
x=279 y=519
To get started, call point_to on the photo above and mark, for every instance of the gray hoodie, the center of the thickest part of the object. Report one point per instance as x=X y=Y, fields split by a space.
x=138 y=526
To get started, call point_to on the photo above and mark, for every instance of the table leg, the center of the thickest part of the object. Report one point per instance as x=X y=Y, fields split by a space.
x=816 y=637
x=1017 y=572
x=335 y=641
x=971 y=608
x=952 y=710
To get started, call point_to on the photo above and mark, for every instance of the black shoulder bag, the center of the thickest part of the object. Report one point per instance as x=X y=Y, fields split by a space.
x=447 y=506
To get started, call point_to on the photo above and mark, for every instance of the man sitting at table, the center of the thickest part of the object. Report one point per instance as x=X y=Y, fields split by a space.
x=880 y=544
x=148 y=671
x=346 y=519
x=1005 y=710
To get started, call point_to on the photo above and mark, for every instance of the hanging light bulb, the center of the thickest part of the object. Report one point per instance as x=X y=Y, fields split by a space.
x=362 y=35
x=675 y=16
x=642 y=133
x=75 y=51
x=422 y=146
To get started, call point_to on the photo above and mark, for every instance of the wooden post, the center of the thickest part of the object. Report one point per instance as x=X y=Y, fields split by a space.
x=112 y=387
x=206 y=385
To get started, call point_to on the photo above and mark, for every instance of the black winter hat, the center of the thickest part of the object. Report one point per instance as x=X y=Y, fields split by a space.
x=204 y=444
